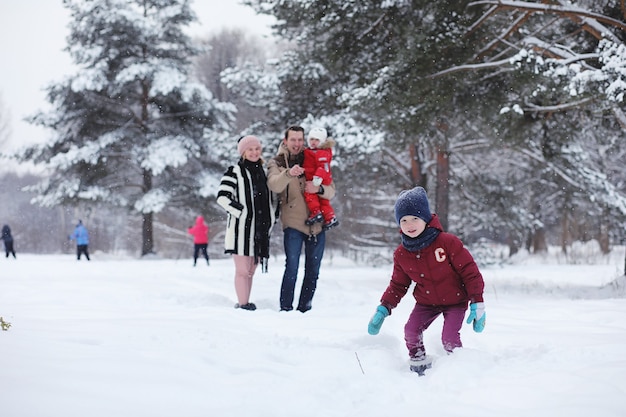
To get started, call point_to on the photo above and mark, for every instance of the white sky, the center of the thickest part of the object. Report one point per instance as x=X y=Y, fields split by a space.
x=32 y=38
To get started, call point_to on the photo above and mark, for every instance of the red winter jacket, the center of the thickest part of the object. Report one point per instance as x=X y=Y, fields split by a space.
x=200 y=231
x=317 y=162
x=444 y=273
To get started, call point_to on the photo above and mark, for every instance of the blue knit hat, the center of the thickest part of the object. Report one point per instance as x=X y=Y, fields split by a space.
x=413 y=203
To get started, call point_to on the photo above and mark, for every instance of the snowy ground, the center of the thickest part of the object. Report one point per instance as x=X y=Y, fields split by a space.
x=119 y=337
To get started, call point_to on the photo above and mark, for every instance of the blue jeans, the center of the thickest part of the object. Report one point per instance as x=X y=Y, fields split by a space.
x=313 y=253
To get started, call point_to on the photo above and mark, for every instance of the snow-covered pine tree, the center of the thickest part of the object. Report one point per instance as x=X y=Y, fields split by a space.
x=130 y=129
x=563 y=107
x=436 y=77
x=371 y=60
x=230 y=48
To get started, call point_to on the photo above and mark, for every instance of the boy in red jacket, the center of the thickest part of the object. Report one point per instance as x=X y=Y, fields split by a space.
x=445 y=275
x=317 y=159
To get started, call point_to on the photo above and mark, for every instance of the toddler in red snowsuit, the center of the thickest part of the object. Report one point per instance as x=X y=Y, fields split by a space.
x=317 y=159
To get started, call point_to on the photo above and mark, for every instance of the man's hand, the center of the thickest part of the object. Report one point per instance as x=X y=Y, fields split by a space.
x=296 y=170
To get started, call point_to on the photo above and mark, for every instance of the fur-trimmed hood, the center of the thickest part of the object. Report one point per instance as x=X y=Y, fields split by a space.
x=328 y=143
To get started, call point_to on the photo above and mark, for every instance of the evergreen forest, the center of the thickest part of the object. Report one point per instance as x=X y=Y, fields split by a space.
x=510 y=113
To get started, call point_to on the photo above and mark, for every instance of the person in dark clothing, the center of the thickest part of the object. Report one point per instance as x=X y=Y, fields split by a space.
x=8 y=241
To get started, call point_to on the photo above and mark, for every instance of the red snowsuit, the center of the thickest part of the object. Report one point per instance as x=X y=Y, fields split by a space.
x=317 y=164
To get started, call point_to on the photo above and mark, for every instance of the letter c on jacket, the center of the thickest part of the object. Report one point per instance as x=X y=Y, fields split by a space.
x=440 y=255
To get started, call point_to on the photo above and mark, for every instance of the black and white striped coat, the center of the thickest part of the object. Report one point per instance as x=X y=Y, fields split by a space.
x=235 y=195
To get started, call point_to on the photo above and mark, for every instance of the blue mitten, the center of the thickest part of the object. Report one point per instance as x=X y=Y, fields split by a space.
x=377 y=320
x=477 y=315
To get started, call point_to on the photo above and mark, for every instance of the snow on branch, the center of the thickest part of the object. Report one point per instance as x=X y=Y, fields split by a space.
x=608 y=80
x=568 y=10
x=557 y=170
x=466 y=67
x=482 y=19
x=620 y=116
x=168 y=151
x=501 y=38
x=557 y=107
x=372 y=27
x=553 y=50
x=153 y=201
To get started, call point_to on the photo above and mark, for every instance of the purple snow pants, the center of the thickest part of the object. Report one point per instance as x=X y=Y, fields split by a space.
x=422 y=316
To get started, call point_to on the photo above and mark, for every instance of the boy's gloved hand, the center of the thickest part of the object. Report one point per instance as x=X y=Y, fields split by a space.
x=317 y=181
x=377 y=320
x=477 y=315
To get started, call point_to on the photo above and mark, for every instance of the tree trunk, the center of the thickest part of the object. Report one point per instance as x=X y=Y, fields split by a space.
x=417 y=176
x=443 y=187
x=528 y=244
x=147 y=245
x=513 y=244
x=565 y=235
x=539 y=240
x=146 y=228
x=603 y=234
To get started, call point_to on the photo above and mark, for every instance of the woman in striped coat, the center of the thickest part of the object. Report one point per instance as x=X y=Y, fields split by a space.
x=243 y=193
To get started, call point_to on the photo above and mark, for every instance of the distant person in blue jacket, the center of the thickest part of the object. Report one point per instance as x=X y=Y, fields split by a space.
x=81 y=235
x=8 y=240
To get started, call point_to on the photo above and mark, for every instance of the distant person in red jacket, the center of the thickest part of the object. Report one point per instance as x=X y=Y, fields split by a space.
x=445 y=275
x=200 y=233
x=317 y=159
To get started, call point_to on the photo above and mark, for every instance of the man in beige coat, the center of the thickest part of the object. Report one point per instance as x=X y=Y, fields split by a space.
x=286 y=178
